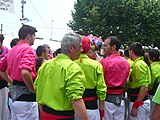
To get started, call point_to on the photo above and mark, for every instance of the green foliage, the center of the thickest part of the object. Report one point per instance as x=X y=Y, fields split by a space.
x=131 y=20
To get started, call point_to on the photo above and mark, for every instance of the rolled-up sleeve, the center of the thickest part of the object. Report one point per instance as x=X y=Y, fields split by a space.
x=101 y=86
x=28 y=60
x=75 y=82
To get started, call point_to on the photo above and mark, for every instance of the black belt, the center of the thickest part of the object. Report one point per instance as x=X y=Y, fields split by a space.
x=134 y=92
x=115 y=88
x=90 y=104
x=27 y=97
x=24 y=97
x=19 y=83
x=134 y=98
x=3 y=84
x=59 y=113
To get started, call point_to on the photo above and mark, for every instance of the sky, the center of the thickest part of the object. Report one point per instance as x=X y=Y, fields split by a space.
x=42 y=14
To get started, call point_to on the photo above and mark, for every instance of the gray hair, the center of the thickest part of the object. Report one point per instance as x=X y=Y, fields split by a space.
x=70 y=39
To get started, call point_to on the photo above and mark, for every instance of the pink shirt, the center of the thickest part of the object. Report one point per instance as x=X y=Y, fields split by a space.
x=4 y=52
x=22 y=56
x=116 y=70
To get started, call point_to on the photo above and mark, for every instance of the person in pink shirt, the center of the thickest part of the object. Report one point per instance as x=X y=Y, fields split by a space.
x=20 y=64
x=3 y=49
x=116 y=71
x=4 y=109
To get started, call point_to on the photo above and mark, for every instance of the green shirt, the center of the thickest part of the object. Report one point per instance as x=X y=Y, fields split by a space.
x=59 y=81
x=140 y=75
x=94 y=75
x=155 y=74
x=130 y=62
x=156 y=97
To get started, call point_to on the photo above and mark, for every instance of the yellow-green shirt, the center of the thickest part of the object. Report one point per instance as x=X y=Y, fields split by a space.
x=156 y=97
x=59 y=81
x=155 y=74
x=140 y=75
x=130 y=62
x=94 y=75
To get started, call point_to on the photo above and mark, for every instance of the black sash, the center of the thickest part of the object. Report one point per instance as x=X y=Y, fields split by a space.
x=91 y=104
x=3 y=84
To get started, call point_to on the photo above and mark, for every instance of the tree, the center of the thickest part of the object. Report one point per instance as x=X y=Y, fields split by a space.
x=131 y=20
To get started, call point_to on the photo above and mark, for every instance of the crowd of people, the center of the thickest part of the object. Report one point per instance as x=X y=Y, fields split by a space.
x=77 y=82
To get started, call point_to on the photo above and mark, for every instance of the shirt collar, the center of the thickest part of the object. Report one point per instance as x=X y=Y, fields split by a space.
x=155 y=63
x=23 y=42
x=138 y=59
x=83 y=56
x=114 y=54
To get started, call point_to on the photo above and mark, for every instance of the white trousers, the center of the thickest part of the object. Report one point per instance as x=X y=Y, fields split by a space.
x=4 y=110
x=92 y=115
x=113 y=112
x=143 y=111
x=21 y=110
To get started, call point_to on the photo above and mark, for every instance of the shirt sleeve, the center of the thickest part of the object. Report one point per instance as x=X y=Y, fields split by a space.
x=4 y=51
x=156 y=97
x=28 y=60
x=3 y=64
x=101 y=86
x=75 y=82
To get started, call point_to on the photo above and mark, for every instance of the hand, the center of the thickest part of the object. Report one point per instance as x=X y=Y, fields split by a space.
x=134 y=112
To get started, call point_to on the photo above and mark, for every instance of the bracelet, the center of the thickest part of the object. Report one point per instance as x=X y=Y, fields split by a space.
x=101 y=113
x=137 y=103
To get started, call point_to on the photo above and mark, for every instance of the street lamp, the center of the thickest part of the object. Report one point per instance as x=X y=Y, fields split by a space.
x=51 y=29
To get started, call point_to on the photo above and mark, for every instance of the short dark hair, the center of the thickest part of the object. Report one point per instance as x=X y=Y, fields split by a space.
x=39 y=50
x=136 y=47
x=126 y=52
x=114 y=40
x=1 y=38
x=154 y=54
x=25 y=30
x=14 y=42
x=58 y=51
x=39 y=62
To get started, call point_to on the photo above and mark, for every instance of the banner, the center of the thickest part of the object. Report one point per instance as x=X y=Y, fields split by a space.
x=7 y=5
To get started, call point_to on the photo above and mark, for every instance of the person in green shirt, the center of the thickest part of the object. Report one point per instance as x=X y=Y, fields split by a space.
x=138 y=87
x=60 y=83
x=156 y=109
x=127 y=57
x=95 y=87
x=153 y=56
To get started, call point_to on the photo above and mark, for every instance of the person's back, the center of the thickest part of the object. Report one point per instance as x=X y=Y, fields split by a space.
x=3 y=49
x=4 y=109
x=153 y=56
x=116 y=71
x=138 y=84
x=95 y=87
x=17 y=59
x=20 y=65
x=60 y=83
x=115 y=67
